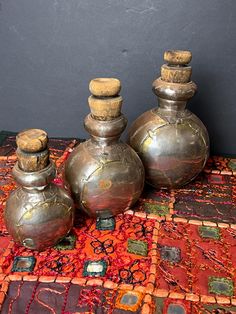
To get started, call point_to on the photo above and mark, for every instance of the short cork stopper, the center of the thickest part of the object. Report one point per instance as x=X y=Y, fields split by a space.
x=32 y=151
x=105 y=87
x=177 y=70
x=32 y=140
x=178 y=57
x=105 y=102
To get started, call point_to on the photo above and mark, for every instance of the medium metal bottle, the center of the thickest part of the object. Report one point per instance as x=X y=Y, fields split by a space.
x=106 y=176
x=38 y=213
x=171 y=141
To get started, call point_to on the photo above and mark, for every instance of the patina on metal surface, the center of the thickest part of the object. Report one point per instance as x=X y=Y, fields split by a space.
x=171 y=141
x=38 y=213
x=106 y=176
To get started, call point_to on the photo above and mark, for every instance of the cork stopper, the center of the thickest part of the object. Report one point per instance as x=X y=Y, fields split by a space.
x=32 y=140
x=177 y=57
x=32 y=151
x=105 y=87
x=176 y=70
x=105 y=102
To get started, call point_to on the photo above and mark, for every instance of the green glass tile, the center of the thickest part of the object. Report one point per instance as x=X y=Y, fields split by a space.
x=137 y=247
x=23 y=264
x=218 y=309
x=232 y=164
x=159 y=305
x=105 y=223
x=156 y=209
x=176 y=309
x=220 y=286
x=170 y=253
x=129 y=299
x=68 y=243
x=95 y=268
x=209 y=232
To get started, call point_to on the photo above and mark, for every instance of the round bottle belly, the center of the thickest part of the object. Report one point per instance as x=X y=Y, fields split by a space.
x=111 y=189
x=39 y=220
x=173 y=154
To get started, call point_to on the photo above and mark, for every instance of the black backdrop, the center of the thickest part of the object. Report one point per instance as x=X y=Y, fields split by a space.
x=50 y=49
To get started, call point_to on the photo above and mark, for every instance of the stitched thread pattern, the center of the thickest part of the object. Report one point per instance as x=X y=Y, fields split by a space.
x=175 y=249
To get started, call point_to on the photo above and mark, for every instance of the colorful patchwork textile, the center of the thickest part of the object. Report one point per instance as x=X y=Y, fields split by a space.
x=173 y=253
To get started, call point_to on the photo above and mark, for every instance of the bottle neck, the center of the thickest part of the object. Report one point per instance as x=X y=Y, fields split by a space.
x=34 y=190
x=105 y=133
x=104 y=141
x=167 y=105
x=34 y=180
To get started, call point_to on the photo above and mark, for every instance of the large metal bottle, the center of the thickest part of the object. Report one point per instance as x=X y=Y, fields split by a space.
x=38 y=213
x=106 y=176
x=171 y=141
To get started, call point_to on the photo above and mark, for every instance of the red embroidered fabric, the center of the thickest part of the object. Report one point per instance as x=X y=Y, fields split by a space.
x=174 y=252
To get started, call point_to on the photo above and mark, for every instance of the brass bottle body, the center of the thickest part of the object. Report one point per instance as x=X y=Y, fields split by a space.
x=171 y=141
x=173 y=146
x=106 y=176
x=38 y=214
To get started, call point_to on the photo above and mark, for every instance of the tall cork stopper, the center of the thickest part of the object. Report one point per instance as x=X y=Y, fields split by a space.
x=176 y=70
x=105 y=102
x=175 y=80
x=32 y=150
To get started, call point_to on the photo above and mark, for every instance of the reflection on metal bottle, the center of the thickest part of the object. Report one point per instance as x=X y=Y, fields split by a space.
x=106 y=176
x=38 y=213
x=171 y=141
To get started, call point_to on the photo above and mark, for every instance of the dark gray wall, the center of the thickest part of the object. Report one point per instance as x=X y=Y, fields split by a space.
x=50 y=49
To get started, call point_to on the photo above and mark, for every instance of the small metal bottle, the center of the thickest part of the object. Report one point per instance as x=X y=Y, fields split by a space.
x=38 y=213
x=106 y=176
x=171 y=141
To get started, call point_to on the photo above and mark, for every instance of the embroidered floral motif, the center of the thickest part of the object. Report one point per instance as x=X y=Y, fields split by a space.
x=61 y=265
x=103 y=246
x=142 y=230
x=175 y=256
x=132 y=275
